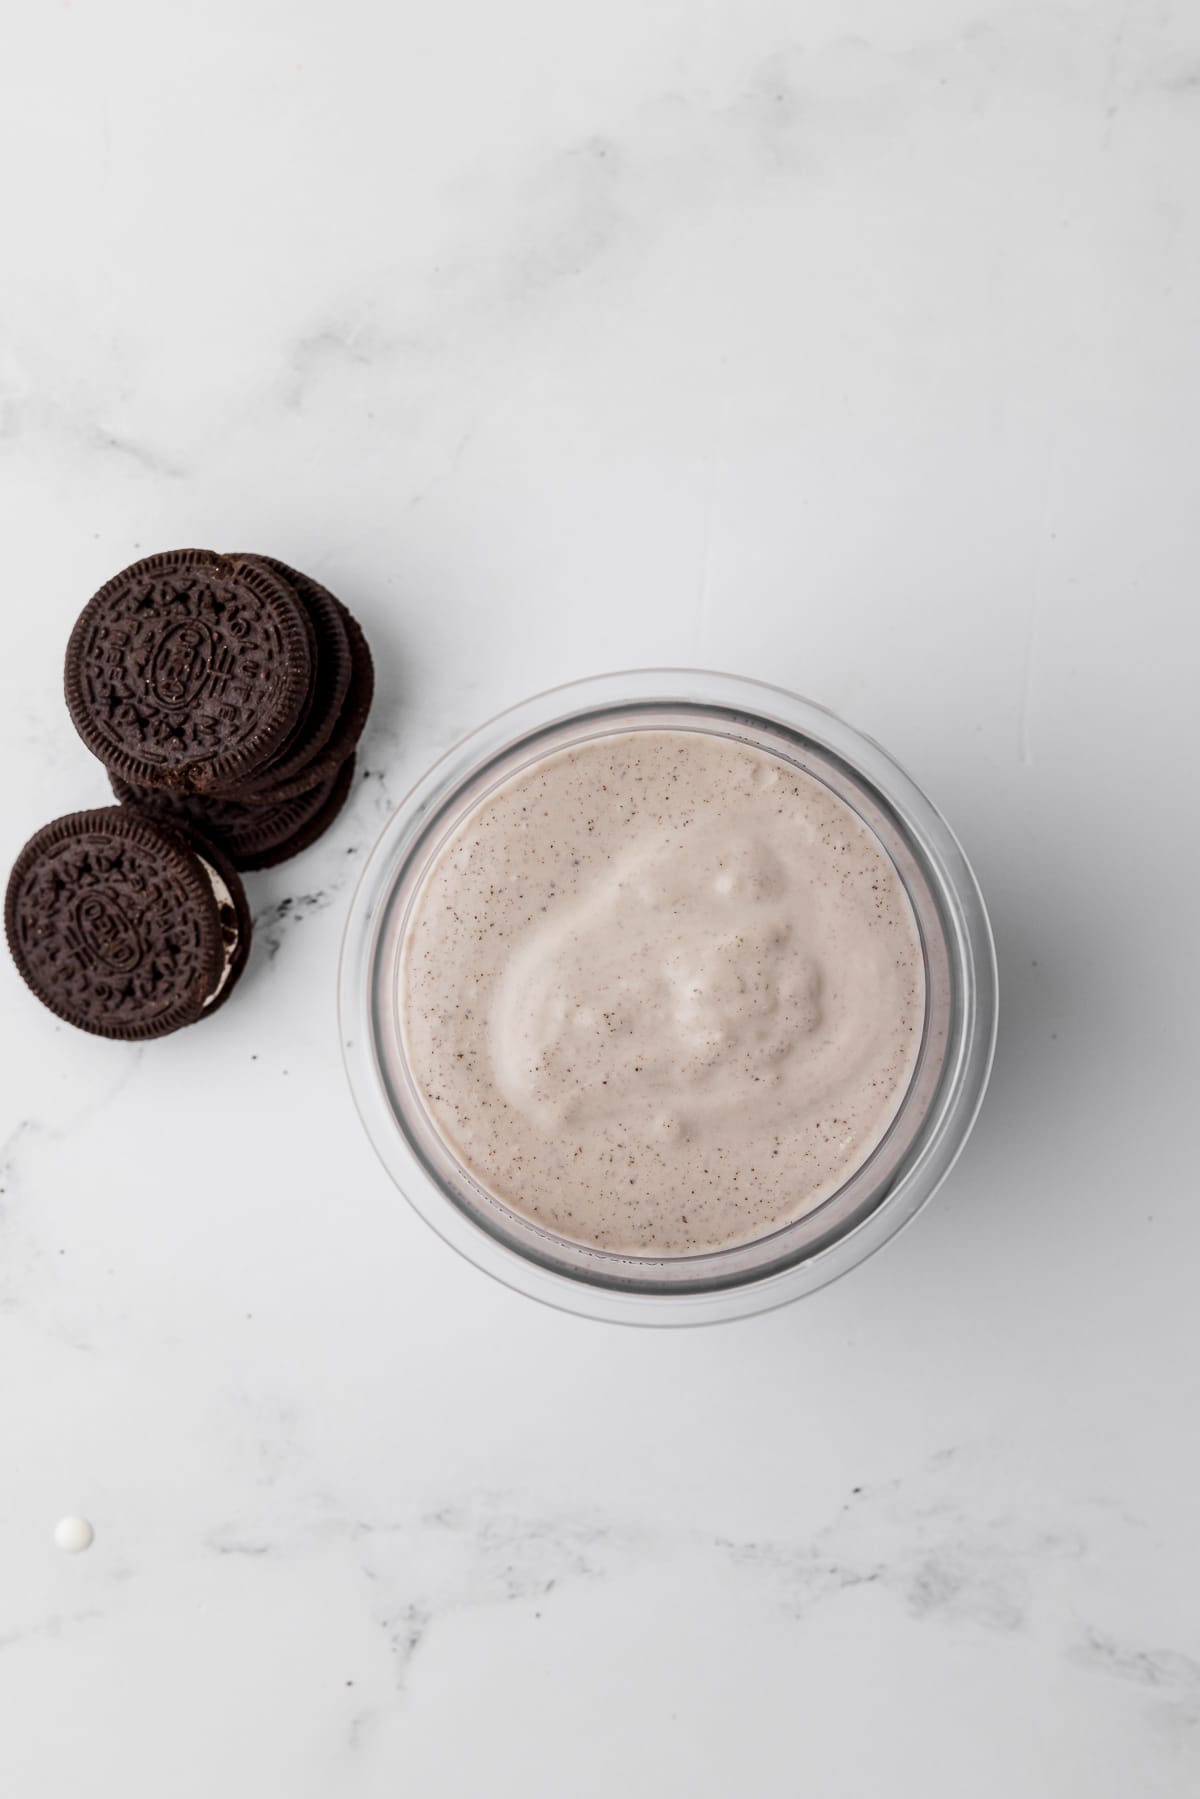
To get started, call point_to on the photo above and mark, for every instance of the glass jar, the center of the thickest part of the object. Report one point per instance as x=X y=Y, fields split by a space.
x=906 y=1167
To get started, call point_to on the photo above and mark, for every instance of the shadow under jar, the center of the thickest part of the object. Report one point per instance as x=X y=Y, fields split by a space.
x=503 y=962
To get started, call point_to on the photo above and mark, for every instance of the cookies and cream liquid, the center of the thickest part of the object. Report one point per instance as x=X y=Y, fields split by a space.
x=662 y=993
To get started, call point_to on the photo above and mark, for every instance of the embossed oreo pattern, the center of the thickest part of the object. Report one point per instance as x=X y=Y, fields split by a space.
x=114 y=925
x=189 y=670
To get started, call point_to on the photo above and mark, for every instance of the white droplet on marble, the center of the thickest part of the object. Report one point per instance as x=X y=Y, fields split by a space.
x=74 y=1535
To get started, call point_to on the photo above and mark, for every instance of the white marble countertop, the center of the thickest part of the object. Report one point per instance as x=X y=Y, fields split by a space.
x=847 y=344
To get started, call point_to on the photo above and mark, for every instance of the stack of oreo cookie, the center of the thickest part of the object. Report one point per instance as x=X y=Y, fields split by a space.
x=226 y=692
x=225 y=696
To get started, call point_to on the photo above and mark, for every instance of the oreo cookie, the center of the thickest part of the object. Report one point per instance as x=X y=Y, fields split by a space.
x=124 y=926
x=333 y=667
x=274 y=783
x=253 y=834
x=190 y=671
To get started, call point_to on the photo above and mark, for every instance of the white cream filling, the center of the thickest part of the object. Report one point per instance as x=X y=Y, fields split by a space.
x=224 y=899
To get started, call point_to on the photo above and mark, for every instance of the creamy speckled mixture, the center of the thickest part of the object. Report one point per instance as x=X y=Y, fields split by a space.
x=662 y=993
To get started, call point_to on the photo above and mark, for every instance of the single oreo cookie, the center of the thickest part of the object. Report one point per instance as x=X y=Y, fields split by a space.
x=346 y=733
x=124 y=926
x=253 y=834
x=190 y=670
x=333 y=667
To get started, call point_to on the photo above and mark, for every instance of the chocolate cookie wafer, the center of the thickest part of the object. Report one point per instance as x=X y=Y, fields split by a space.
x=269 y=784
x=333 y=668
x=189 y=671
